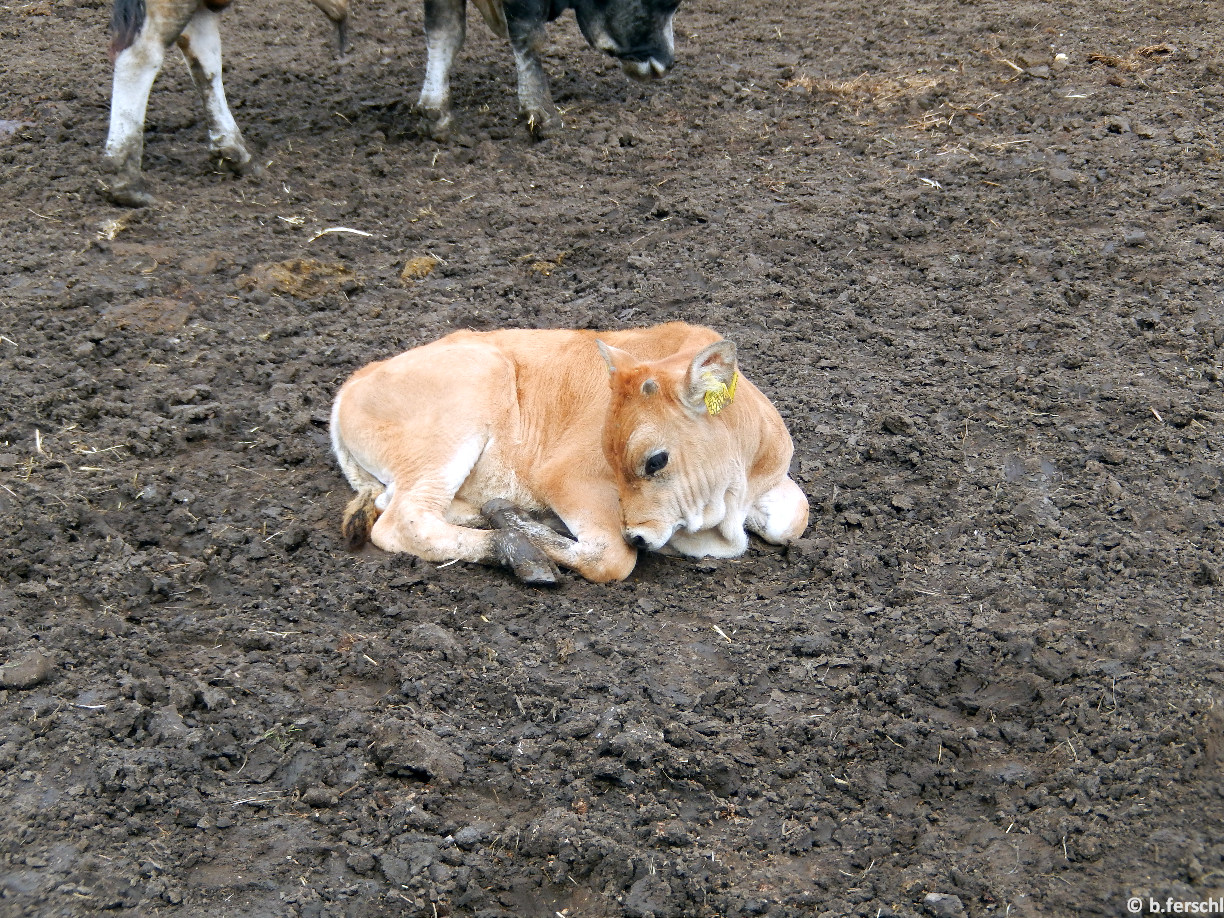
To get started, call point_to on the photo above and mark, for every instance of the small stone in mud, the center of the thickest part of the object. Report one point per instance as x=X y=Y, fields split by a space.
x=943 y=906
x=412 y=751
x=361 y=862
x=1064 y=176
x=897 y=424
x=648 y=896
x=319 y=797
x=25 y=673
x=471 y=836
x=811 y=645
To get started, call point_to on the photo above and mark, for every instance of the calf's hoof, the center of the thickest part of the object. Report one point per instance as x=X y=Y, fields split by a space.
x=529 y=564
x=514 y=548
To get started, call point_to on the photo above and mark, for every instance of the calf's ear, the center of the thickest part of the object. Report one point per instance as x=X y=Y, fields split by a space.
x=712 y=370
x=615 y=358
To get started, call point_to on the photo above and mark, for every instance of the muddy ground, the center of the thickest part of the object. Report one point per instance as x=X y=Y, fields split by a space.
x=981 y=281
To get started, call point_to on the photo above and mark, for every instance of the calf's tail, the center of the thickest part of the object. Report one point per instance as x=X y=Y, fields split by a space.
x=359 y=518
x=127 y=19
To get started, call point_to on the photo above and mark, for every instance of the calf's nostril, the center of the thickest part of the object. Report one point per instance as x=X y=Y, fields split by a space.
x=635 y=539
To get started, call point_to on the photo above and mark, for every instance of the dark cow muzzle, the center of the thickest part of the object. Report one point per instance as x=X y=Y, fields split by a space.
x=648 y=55
x=647 y=67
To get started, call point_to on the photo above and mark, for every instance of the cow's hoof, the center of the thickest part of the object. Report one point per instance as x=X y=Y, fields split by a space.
x=239 y=162
x=540 y=123
x=125 y=191
x=529 y=564
x=434 y=124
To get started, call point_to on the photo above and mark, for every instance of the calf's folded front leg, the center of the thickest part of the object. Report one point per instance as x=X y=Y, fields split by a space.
x=419 y=527
x=529 y=564
x=598 y=553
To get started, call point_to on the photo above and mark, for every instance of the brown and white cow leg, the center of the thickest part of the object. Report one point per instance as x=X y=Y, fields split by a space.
x=200 y=43
x=536 y=109
x=138 y=60
x=135 y=70
x=445 y=29
x=337 y=12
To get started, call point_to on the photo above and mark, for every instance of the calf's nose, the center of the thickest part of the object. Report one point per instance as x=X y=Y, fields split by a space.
x=636 y=539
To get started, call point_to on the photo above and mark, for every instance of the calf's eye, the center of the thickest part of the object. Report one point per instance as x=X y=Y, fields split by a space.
x=655 y=462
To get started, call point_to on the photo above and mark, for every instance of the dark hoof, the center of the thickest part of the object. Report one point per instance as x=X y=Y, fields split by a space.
x=500 y=512
x=434 y=125
x=541 y=124
x=126 y=193
x=514 y=548
x=236 y=160
x=529 y=564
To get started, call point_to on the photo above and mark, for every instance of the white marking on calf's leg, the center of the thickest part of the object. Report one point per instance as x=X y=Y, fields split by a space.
x=415 y=516
x=200 y=43
x=728 y=541
x=423 y=531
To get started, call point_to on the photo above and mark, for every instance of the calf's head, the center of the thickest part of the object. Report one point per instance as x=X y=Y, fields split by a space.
x=639 y=33
x=670 y=451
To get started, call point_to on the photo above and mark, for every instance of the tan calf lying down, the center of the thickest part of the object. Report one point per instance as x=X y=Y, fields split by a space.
x=648 y=438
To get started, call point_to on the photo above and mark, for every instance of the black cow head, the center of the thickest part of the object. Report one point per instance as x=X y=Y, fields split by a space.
x=636 y=32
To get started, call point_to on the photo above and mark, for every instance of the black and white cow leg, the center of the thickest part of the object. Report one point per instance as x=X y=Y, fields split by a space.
x=445 y=29
x=200 y=43
x=536 y=109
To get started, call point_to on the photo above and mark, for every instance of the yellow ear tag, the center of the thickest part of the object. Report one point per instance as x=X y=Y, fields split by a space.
x=719 y=395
